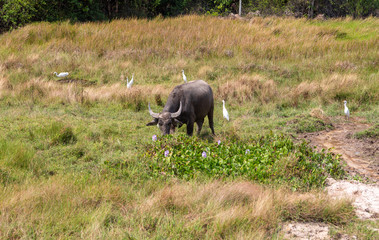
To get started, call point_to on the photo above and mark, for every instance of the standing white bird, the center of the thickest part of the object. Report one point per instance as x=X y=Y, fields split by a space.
x=184 y=76
x=347 y=112
x=129 y=84
x=62 y=74
x=224 y=111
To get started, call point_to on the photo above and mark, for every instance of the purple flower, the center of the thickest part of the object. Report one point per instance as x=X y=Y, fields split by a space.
x=218 y=142
x=204 y=154
x=154 y=138
x=247 y=151
x=166 y=153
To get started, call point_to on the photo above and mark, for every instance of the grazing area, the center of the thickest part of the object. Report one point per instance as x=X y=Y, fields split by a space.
x=78 y=161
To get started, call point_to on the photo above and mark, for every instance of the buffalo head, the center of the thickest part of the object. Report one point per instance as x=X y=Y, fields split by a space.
x=166 y=121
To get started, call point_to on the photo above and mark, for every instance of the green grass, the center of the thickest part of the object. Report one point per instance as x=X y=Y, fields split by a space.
x=99 y=180
x=304 y=124
x=350 y=30
x=77 y=161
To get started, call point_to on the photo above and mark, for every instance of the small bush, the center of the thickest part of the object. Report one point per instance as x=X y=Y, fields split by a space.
x=266 y=159
x=65 y=136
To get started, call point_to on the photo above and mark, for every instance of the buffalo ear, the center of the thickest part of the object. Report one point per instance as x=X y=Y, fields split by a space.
x=178 y=123
x=154 y=122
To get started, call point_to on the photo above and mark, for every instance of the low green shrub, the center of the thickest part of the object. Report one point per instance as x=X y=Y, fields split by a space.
x=65 y=136
x=372 y=132
x=272 y=159
x=303 y=124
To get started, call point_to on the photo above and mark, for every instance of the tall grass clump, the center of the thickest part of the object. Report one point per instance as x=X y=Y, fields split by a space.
x=17 y=161
x=65 y=136
x=15 y=154
x=266 y=159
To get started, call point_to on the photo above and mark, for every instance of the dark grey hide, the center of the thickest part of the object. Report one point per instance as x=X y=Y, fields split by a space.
x=188 y=103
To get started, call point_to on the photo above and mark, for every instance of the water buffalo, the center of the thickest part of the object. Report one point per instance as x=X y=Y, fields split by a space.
x=187 y=103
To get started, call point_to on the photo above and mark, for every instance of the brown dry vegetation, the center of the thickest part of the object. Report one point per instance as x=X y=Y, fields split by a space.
x=295 y=59
x=212 y=210
x=247 y=88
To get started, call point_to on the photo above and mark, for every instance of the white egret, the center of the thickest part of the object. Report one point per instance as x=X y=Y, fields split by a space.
x=62 y=74
x=347 y=112
x=129 y=84
x=184 y=76
x=224 y=111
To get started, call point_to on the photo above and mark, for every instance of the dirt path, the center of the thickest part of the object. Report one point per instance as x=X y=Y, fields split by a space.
x=361 y=156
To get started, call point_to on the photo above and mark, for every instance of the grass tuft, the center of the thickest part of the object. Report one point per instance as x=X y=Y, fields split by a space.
x=64 y=135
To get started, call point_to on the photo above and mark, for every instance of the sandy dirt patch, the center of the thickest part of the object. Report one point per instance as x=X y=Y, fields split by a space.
x=311 y=231
x=365 y=197
x=360 y=155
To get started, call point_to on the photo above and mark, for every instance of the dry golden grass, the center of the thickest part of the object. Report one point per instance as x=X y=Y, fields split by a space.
x=320 y=114
x=306 y=90
x=337 y=83
x=224 y=207
x=333 y=87
x=247 y=88
x=60 y=202
x=242 y=89
x=38 y=89
x=263 y=58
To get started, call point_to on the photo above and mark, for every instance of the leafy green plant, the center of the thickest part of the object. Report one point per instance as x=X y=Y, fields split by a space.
x=220 y=7
x=266 y=159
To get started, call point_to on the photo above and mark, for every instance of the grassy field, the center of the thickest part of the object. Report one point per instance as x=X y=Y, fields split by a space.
x=77 y=161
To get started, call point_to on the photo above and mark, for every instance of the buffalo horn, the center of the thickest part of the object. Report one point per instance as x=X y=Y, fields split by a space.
x=153 y=114
x=177 y=114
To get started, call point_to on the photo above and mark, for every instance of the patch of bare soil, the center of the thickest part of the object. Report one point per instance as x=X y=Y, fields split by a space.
x=360 y=155
x=365 y=197
x=310 y=231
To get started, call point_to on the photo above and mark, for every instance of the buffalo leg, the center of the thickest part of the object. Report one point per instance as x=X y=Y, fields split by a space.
x=199 y=126
x=210 y=118
x=190 y=128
